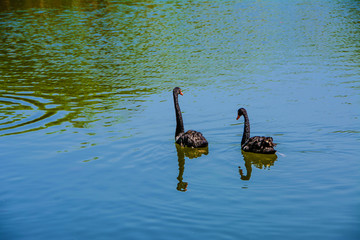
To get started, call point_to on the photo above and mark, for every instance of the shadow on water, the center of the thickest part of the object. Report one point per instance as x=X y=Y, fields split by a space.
x=261 y=161
x=190 y=153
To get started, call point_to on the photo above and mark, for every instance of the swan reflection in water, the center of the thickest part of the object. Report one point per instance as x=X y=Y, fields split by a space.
x=190 y=153
x=262 y=161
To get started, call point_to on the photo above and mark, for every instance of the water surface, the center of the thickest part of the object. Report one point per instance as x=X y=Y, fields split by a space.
x=87 y=121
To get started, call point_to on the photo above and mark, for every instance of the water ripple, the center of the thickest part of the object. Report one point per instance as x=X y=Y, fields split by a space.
x=20 y=114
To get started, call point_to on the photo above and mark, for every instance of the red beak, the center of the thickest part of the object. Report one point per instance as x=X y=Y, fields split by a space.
x=238 y=117
x=181 y=93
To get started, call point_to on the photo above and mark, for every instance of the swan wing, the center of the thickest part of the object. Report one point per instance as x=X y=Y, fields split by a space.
x=259 y=145
x=192 y=139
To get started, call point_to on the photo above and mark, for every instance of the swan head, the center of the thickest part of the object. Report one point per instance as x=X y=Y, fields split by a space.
x=241 y=112
x=177 y=91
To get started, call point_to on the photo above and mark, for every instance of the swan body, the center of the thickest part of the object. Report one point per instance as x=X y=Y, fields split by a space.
x=190 y=138
x=254 y=144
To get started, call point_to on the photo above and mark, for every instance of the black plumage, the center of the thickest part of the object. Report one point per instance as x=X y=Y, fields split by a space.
x=254 y=144
x=190 y=138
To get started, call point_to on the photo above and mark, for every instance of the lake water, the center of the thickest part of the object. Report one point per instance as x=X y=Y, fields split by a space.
x=87 y=119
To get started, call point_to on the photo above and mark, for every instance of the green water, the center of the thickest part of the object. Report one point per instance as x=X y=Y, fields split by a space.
x=87 y=119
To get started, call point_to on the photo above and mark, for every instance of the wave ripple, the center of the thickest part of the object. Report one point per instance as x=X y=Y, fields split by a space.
x=20 y=114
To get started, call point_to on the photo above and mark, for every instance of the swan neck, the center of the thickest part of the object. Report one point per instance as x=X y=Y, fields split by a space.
x=246 y=133
x=179 y=120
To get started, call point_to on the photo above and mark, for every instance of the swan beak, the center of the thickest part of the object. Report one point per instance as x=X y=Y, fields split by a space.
x=238 y=117
x=181 y=93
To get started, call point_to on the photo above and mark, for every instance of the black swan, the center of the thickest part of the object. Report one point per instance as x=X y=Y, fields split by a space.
x=190 y=138
x=255 y=144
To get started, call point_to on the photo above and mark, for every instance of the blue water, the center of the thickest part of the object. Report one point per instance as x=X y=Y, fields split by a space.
x=87 y=119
